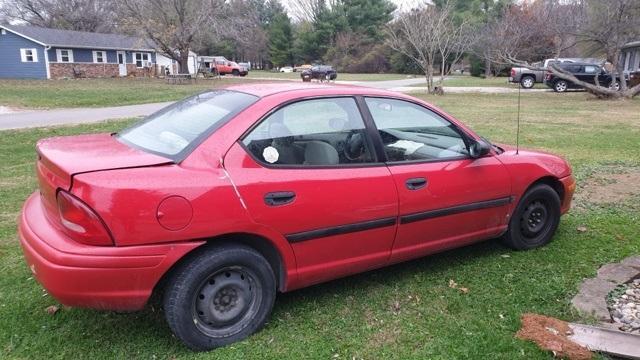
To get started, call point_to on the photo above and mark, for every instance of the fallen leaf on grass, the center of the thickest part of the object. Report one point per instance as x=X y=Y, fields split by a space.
x=52 y=310
x=581 y=229
x=454 y=285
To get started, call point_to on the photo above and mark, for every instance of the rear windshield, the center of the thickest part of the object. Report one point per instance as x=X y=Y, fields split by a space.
x=176 y=130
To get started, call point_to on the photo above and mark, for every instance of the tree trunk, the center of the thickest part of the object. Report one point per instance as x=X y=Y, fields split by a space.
x=487 y=67
x=184 y=61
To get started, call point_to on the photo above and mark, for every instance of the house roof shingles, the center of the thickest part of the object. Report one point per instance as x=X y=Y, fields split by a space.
x=82 y=39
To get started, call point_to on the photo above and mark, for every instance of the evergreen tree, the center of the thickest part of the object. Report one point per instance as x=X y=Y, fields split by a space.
x=280 y=40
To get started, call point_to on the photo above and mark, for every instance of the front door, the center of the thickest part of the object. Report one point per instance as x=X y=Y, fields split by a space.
x=446 y=198
x=309 y=171
x=122 y=63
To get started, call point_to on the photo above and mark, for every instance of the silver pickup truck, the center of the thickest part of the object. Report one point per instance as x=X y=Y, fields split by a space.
x=528 y=77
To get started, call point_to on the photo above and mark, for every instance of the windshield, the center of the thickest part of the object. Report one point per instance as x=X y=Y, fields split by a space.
x=176 y=130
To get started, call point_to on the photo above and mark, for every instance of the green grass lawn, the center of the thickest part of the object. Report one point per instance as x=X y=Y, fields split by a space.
x=257 y=74
x=406 y=311
x=469 y=81
x=98 y=92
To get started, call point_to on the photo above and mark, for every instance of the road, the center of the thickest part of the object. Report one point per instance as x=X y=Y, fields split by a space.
x=38 y=118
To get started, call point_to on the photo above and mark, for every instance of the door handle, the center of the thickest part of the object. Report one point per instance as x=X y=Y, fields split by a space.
x=416 y=183
x=279 y=198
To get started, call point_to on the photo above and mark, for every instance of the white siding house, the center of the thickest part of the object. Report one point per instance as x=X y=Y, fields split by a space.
x=164 y=61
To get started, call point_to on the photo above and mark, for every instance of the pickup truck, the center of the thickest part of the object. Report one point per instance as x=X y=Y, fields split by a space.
x=528 y=77
x=225 y=66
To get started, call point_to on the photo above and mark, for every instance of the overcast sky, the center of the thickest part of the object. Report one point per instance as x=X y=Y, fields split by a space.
x=401 y=4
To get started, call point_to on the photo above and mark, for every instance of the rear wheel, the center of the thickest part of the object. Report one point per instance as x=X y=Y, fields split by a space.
x=527 y=82
x=220 y=296
x=235 y=72
x=560 y=86
x=535 y=219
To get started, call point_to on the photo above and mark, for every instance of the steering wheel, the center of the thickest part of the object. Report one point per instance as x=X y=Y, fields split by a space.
x=354 y=146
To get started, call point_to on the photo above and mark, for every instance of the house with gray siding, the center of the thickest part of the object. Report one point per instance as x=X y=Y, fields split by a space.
x=631 y=57
x=30 y=52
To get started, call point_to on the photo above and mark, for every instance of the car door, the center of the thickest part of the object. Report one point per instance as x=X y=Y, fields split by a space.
x=446 y=198
x=308 y=171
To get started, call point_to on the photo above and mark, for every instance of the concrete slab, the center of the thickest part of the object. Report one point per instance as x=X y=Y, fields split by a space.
x=613 y=342
x=618 y=273
x=591 y=298
x=632 y=261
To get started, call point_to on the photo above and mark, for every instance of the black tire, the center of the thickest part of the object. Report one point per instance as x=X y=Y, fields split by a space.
x=560 y=86
x=527 y=82
x=219 y=296
x=235 y=72
x=535 y=219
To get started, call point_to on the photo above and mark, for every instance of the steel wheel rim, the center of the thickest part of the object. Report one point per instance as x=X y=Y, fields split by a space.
x=226 y=301
x=535 y=219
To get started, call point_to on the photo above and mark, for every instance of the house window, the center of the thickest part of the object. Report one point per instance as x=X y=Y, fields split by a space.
x=64 y=55
x=3 y=31
x=141 y=59
x=99 y=57
x=28 y=55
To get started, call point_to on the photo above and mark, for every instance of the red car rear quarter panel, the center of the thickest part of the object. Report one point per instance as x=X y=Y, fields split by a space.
x=128 y=201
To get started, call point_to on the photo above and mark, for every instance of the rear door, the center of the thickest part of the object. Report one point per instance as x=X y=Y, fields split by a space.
x=308 y=170
x=446 y=198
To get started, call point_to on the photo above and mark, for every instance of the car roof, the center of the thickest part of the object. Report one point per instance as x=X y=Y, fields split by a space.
x=309 y=89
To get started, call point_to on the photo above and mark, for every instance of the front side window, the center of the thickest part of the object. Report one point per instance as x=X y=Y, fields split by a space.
x=411 y=132
x=177 y=129
x=99 y=57
x=324 y=132
x=141 y=59
x=29 y=55
x=65 y=56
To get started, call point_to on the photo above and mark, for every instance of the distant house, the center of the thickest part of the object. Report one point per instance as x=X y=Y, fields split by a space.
x=164 y=61
x=631 y=57
x=29 y=52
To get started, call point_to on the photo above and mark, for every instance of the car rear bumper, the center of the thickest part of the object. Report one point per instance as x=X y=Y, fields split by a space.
x=113 y=278
x=569 y=185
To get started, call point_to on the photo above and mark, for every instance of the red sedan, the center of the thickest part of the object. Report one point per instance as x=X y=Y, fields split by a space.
x=223 y=199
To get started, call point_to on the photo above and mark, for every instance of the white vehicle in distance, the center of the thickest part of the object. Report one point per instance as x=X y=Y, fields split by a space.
x=286 y=69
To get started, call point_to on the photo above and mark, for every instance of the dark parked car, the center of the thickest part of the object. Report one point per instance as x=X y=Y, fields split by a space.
x=319 y=72
x=583 y=71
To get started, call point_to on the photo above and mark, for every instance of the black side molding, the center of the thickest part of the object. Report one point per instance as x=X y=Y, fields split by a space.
x=405 y=219
x=341 y=229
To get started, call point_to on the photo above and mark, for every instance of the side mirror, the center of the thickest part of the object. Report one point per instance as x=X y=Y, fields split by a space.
x=479 y=149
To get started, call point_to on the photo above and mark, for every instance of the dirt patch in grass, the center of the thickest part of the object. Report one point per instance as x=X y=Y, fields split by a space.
x=552 y=334
x=610 y=188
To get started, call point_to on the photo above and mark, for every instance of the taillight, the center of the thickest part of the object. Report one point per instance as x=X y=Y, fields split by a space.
x=513 y=72
x=81 y=222
x=548 y=76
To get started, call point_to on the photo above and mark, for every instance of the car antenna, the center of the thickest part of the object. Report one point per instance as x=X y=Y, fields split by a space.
x=518 y=124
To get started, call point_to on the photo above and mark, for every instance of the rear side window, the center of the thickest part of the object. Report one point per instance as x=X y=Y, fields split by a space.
x=325 y=132
x=590 y=69
x=176 y=130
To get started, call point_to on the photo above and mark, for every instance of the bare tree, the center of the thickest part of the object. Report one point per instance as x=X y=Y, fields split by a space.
x=81 y=15
x=423 y=34
x=174 y=26
x=308 y=10
x=602 y=26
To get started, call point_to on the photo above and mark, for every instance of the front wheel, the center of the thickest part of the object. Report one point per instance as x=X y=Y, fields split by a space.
x=220 y=296
x=535 y=219
x=235 y=72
